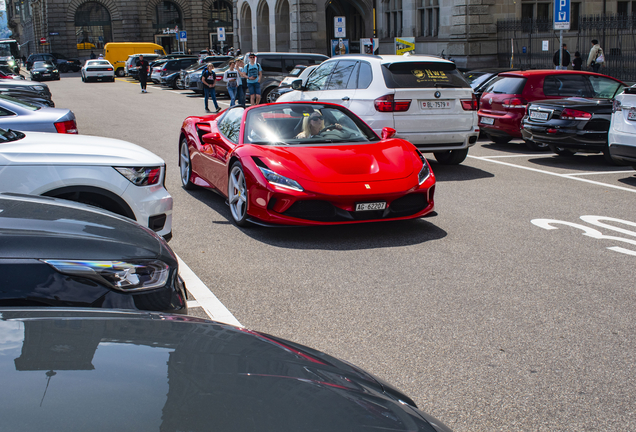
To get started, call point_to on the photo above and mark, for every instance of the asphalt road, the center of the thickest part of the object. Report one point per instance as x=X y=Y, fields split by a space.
x=488 y=320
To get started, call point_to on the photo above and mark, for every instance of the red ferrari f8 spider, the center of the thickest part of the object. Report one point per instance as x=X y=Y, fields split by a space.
x=304 y=163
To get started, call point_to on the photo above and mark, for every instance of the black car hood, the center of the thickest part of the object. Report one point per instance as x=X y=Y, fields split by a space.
x=104 y=371
x=42 y=227
x=43 y=69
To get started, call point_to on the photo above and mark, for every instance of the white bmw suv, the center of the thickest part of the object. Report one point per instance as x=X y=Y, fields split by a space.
x=622 y=131
x=424 y=98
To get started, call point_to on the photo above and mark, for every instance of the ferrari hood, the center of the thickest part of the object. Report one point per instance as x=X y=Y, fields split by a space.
x=61 y=149
x=386 y=160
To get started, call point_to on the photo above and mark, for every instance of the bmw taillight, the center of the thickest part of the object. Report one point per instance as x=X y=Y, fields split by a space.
x=572 y=114
x=68 y=127
x=616 y=106
x=470 y=104
x=514 y=103
x=387 y=103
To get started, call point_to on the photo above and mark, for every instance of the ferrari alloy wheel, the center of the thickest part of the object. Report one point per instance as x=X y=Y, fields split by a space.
x=237 y=194
x=451 y=157
x=185 y=165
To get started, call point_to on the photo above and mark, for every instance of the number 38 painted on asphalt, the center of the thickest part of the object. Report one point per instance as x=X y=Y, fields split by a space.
x=591 y=232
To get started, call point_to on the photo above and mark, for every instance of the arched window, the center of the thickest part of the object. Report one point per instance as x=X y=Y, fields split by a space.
x=92 y=26
x=168 y=16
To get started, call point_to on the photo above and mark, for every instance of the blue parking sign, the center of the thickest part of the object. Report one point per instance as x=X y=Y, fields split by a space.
x=561 y=14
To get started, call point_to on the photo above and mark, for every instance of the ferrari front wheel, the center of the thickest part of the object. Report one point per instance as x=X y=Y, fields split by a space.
x=237 y=194
x=185 y=165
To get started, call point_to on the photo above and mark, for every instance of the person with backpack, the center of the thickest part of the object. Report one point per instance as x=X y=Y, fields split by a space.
x=596 y=58
x=208 y=78
x=232 y=78
x=254 y=74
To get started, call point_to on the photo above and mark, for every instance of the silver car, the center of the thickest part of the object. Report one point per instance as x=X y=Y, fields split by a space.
x=23 y=116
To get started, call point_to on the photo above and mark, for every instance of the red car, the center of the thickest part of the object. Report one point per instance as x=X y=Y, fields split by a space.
x=304 y=163
x=503 y=103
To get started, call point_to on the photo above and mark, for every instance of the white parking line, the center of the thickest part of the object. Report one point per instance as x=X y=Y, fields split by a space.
x=511 y=156
x=601 y=172
x=567 y=176
x=204 y=297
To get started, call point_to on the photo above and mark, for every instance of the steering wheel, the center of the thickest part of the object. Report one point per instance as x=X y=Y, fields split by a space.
x=328 y=128
x=331 y=132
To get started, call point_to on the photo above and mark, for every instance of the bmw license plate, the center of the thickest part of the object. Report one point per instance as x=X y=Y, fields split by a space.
x=538 y=115
x=487 y=120
x=371 y=206
x=631 y=114
x=436 y=104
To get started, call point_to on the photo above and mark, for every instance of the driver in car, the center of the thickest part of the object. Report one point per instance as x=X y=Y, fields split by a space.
x=314 y=124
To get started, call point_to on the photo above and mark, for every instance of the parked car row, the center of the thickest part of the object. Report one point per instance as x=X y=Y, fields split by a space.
x=565 y=111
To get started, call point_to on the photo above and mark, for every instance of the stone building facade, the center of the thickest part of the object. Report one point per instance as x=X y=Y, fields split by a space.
x=464 y=30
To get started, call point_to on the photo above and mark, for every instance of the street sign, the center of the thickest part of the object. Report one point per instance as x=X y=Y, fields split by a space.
x=561 y=14
x=220 y=34
x=183 y=36
x=340 y=26
x=54 y=34
x=42 y=40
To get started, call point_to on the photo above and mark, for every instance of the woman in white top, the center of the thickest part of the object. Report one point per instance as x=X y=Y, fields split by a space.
x=233 y=80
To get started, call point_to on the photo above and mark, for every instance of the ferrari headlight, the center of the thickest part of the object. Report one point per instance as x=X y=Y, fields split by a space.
x=279 y=180
x=119 y=275
x=141 y=176
x=425 y=172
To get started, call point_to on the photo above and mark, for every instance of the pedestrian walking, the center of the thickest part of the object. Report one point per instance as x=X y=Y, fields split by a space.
x=93 y=56
x=232 y=79
x=208 y=77
x=254 y=74
x=557 y=58
x=596 y=58
x=242 y=88
x=143 y=72
x=577 y=62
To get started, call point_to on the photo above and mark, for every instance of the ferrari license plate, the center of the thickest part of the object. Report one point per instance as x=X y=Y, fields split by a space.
x=487 y=120
x=436 y=104
x=371 y=206
x=631 y=115
x=538 y=115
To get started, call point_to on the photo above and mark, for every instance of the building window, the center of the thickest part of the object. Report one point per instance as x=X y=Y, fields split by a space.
x=168 y=16
x=394 y=18
x=429 y=18
x=575 y=13
x=92 y=26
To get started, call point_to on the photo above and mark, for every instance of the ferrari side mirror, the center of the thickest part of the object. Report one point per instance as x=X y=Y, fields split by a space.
x=388 y=132
x=211 y=138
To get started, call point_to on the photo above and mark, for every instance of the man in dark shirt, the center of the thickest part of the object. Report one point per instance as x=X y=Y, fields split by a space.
x=208 y=77
x=566 y=58
x=143 y=73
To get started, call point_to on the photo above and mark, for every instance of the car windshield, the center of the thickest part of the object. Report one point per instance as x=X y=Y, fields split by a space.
x=8 y=135
x=298 y=124
x=98 y=63
x=40 y=64
x=19 y=102
x=296 y=71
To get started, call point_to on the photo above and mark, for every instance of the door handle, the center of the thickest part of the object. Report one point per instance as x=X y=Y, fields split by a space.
x=346 y=98
x=315 y=99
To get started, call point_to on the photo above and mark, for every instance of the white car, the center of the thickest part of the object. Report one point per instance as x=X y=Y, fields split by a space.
x=98 y=70
x=111 y=174
x=622 y=131
x=424 y=98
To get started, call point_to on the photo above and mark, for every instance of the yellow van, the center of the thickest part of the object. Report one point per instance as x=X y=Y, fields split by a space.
x=117 y=53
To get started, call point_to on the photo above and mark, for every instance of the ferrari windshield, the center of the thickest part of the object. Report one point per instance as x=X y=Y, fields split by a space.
x=294 y=124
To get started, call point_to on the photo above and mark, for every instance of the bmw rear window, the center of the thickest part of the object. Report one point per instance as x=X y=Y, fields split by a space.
x=506 y=85
x=422 y=75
